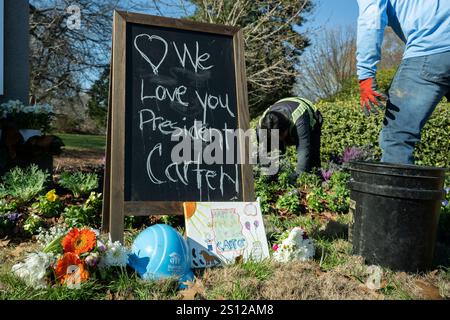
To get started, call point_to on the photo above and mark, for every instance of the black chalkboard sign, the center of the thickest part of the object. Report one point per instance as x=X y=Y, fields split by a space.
x=178 y=93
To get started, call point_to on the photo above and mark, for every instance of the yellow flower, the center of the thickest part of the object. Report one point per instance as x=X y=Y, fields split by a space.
x=52 y=196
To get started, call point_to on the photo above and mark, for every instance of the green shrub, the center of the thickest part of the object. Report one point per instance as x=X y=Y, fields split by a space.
x=345 y=125
x=350 y=87
x=23 y=184
x=79 y=183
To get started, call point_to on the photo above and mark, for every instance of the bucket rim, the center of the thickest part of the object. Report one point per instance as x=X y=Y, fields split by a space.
x=395 y=174
x=389 y=165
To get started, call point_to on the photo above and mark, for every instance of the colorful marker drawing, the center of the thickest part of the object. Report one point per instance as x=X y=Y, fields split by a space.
x=218 y=233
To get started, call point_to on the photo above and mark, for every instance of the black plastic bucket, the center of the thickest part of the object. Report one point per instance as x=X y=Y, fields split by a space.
x=395 y=213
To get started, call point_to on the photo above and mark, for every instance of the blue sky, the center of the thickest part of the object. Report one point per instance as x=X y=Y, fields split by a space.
x=333 y=13
x=329 y=14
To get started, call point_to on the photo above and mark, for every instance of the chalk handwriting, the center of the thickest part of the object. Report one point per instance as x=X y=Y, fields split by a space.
x=196 y=63
x=211 y=102
x=179 y=172
x=155 y=67
x=162 y=93
x=157 y=88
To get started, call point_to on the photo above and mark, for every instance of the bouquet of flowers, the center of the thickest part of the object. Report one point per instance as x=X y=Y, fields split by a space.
x=70 y=257
x=295 y=246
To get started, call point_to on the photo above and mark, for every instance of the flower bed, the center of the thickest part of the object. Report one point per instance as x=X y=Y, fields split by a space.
x=70 y=257
x=63 y=217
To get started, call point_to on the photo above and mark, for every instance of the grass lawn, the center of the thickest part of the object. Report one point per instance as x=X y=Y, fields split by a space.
x=333 y=274
x=83 y=142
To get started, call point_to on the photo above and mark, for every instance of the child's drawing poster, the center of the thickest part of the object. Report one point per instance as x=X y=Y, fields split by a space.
x=220 y=232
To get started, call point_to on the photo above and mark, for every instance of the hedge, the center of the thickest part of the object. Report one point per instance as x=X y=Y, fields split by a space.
x=345 y=125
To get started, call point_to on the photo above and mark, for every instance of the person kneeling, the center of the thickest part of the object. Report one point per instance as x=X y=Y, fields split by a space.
x=300 y=124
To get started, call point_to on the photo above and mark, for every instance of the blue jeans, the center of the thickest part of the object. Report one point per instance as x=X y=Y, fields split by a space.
x=418 y=86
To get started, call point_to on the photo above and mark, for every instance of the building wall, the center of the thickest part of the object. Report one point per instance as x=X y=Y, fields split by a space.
x=16 y=50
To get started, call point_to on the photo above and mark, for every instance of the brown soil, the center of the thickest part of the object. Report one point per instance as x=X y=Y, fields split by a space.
x=78 y=159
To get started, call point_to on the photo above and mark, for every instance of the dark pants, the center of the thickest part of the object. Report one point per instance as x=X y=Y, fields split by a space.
x=308 y=143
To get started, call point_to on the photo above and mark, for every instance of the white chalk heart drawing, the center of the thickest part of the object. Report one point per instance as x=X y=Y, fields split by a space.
x=155 y=67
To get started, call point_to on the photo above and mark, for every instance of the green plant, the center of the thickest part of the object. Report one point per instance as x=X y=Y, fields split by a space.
x=338 y=200
x=94 y=201
x=7 y=206
x=7 y=222
x=8 y=216
x=170 y=220
x=345 y=125
x=289 y=201
x=48 y=205
x=33 y=223
x=286 y=179
x=264 y=191
x=316 y=199
x=86 y=214
x=79 y=183
x=339 y=178
x=135 y=222
x=23 y=184
x=306 y=181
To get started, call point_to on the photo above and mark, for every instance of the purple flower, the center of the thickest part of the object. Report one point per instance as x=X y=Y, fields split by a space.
x=445 y=203
x=352 y=153
x=101 y=246
x=13 y=216
x=92 y=260
x=447 y=190
x=326 y=174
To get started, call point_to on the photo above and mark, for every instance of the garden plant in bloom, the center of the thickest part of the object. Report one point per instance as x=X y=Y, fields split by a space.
x=70 y=257
x=295 y=246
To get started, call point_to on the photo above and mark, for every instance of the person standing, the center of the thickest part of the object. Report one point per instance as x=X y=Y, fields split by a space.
x=423 y=77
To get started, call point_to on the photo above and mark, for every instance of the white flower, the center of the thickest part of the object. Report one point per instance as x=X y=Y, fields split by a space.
x=296 y=247
x=115 y=255
x=16 y=106
x=34 y=269
x=47 y=236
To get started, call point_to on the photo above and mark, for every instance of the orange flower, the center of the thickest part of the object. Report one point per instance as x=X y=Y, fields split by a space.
x=70 y=269
x=79 y=241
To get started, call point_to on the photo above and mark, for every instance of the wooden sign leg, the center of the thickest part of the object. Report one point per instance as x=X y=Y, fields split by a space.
x=117 y=127
x=116 y=223
x=106 y=212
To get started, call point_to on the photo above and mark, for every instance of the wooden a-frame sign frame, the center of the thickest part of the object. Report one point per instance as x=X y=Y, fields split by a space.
x=115 y=208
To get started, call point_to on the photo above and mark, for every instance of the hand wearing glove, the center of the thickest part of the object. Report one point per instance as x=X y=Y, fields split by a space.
x=370 y=96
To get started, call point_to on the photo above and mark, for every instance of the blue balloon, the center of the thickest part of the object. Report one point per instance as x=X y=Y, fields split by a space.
x=161 y=252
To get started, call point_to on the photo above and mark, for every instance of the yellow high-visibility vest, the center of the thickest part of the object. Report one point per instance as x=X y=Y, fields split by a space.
x=303 y=106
